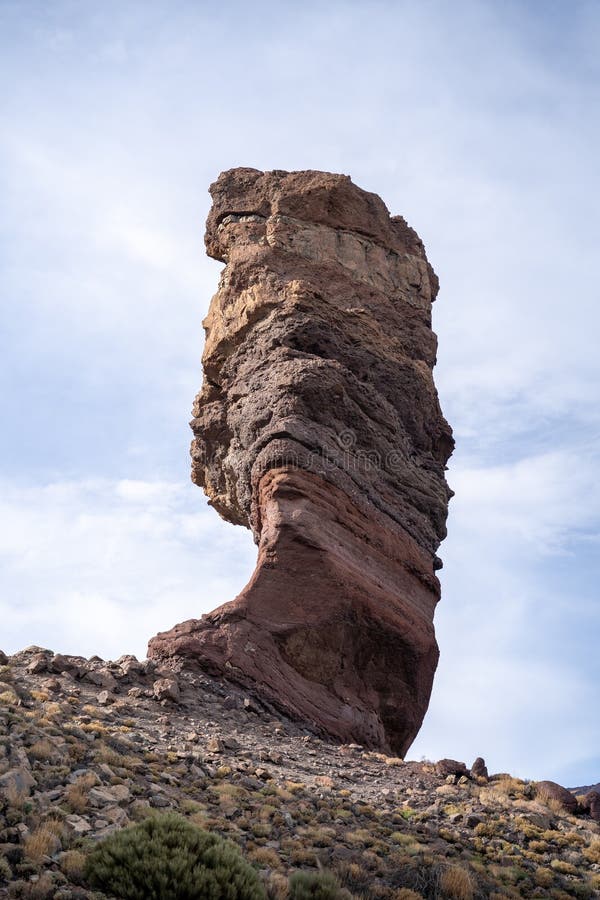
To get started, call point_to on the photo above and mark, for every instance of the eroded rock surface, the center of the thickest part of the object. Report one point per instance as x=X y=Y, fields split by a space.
x=318 y=426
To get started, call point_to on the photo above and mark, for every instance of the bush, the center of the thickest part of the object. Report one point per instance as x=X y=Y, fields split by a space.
x=167 y=858
x=314 y=886
x=5 y=869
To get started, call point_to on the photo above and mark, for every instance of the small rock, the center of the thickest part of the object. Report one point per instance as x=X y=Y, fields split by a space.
x=214 y=744
x=108 y=796
x=105 y=698
x=324 y=781
x=102 y=678
x=130 y=665
x=17 y=781
x=38 y=664
x=60 y=664
x=3 y=658
x=78 y=824
x=120 y=792
x=166 y=689
x=116 y=815
x=472 y=820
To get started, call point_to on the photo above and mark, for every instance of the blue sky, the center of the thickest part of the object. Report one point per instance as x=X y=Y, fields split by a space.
x=476 y=121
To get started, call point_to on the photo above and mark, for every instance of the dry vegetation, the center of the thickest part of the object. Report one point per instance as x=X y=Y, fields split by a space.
x=385 y=829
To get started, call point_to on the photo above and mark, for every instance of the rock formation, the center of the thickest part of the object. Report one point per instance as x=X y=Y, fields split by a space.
x=318 y=426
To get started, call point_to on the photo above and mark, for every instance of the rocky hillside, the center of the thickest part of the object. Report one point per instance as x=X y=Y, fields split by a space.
x=88 y=747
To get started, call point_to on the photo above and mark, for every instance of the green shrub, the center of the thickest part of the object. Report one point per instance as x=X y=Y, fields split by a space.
x=167 y=858
x=314 y=886
x=5 y=869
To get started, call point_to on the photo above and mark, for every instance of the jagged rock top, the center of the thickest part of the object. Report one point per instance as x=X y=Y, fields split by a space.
x=321 y=198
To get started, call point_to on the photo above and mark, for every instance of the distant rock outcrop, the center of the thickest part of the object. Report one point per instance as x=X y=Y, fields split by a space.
x=318 y=426
x=551 y=791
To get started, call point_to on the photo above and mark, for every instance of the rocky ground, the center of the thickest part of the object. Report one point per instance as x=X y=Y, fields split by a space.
x=87 y=747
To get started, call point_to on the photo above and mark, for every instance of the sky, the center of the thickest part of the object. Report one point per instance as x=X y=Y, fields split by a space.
x=478 y=122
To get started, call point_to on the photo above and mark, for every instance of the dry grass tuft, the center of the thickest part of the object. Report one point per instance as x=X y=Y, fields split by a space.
x=592 y=853
x=77 y=794
x=277 y=887
x=544 y=877
x=265 y=858
x=15 y=796
x=40 y=696
x=43 y=889
x=42 y=842
x=511 y=787
x=456 y=883
x=9 y=698
x=295 y=787
x=72 y=864
x=41 y=750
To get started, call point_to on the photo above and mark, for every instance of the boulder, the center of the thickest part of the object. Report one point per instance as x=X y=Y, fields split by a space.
x=479 y=768
x=16 y=783
x=318 y=427
x=591 y=804
x=39 y=663
x=451 y=767
x=547 y=791
x=130 y=665
x=166 y=689
x=102 y=678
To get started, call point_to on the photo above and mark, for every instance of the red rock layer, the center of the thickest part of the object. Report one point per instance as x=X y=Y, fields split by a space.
x=319 y=427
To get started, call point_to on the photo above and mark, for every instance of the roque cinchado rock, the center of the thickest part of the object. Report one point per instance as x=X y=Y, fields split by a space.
x=318 y=426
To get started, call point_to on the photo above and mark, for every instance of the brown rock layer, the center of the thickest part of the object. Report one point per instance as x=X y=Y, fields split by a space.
x=318 y=426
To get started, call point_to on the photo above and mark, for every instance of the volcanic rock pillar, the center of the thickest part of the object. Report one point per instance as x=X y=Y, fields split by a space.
x=318 y=426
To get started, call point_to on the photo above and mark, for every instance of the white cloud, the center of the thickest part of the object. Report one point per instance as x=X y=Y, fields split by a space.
x=518 y=669
x=101 y=566
x=534 y=505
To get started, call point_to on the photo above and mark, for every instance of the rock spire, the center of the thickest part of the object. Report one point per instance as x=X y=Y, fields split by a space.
x=318 y=426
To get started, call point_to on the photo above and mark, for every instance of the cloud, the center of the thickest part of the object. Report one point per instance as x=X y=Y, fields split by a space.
x=100 y=566
x=518 y=624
